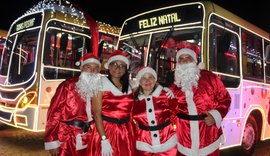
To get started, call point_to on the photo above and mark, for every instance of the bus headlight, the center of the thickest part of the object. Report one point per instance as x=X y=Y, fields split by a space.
x=26 y=100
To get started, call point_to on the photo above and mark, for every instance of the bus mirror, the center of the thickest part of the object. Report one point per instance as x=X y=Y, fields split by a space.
x=64 y=42
x=267 y=54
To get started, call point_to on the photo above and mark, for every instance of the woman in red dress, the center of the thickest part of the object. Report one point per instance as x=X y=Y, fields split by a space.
x=113 y=131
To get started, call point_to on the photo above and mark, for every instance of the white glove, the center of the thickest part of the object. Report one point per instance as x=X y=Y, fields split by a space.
x=169 y=93
x=106 y=148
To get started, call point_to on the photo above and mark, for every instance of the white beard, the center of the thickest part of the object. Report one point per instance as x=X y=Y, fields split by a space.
x=88 y=85
x=187 y=76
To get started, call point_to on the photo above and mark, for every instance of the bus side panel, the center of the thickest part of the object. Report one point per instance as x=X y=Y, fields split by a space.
x=231 y=129
x=257 y=96
x=46 y=92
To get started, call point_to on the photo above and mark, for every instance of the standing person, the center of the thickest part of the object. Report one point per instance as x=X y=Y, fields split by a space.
x=69 y=113
x=113 y=131
x=155 y=134
x=202 y=102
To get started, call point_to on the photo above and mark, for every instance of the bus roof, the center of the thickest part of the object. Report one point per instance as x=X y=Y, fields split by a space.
x=211 y=6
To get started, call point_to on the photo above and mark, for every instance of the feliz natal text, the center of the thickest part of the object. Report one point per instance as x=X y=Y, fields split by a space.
x=160 y=20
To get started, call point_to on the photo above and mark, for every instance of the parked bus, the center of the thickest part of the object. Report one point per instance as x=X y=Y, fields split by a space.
x=3 y=35
x=41 y=50
x=234 y=49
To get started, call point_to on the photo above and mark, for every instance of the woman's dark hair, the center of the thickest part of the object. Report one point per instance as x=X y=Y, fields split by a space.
x=139 y=91
x=124 y=81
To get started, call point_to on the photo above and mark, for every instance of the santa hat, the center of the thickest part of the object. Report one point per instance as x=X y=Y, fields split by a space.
x=144 y=70
x=117 y=55
x=192 y=53
x=87 y=58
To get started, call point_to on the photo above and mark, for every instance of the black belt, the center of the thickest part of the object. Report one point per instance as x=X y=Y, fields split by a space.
x=155 y=128
x=115 y=120
x=83 y=125
x=191 y=117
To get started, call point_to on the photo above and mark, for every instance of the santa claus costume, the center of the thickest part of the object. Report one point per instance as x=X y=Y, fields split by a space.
x=116 y=115
x=198 y=92
x=69 y=113
x=155 y=133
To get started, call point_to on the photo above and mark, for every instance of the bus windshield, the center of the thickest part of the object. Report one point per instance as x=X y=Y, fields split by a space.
x=62 y=50
x=22 y=56
x=160 y=52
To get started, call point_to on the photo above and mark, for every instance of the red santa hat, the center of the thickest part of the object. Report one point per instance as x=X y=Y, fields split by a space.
x=144 y=70
x=88 y=58
x=193 y=51
x=117 y=55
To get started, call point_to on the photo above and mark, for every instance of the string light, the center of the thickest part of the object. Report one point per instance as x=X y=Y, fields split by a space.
x=56 y=5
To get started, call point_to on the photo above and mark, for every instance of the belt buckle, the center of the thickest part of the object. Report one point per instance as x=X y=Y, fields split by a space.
x=85 y=127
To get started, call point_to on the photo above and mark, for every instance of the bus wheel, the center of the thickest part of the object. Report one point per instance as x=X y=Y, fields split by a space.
x=250 y=137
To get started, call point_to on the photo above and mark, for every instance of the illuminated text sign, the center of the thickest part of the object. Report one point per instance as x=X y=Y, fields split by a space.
x=159 y=20
x=25 y=24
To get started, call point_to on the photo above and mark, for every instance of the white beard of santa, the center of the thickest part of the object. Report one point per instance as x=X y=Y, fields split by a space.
x=88 y=85
x=187 y=76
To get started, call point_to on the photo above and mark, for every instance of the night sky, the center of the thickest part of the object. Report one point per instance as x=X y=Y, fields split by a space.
x=114 y=12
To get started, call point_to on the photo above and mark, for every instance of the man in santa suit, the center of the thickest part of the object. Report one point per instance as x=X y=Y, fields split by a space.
x=69 y=113
x=201 y=103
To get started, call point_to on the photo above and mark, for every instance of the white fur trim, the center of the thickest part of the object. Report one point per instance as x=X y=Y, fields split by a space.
x=145 y=70
x=52 y=145
x=194 y=125
x=151 y=117
x=108 y=86
x=88 y=109
x=201 y=65
x=156 y=93
x=217 y=117
x=203 y=151
x=79 y=143
x=78 y=63
x=90 y=60
x=170 y=143
x=118 y=57
x=186 y=51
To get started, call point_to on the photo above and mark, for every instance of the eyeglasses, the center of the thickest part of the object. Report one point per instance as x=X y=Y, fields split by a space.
x=114 y=66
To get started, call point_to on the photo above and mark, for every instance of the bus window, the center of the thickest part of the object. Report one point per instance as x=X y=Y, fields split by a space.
x=163 y=49
x=106 y=46
x=23 y=57
x=5 y=56
x=252 y=57
x=63 y=50
x=267 y=61
x=136 y=47
x=224 y=55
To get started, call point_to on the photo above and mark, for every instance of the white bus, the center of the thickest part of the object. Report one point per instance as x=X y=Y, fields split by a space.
x=231 y=47
x=41 y=50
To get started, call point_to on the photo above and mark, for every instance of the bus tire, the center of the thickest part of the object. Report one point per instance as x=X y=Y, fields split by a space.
x=250 y=137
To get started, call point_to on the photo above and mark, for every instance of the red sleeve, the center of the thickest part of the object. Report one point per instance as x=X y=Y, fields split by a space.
x=54 y=113
x=222 y=97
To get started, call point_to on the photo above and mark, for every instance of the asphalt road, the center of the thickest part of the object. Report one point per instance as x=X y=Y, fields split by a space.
x=18 y=142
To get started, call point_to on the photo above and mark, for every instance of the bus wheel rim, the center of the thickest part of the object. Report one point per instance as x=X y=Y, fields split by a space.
x=249 y=137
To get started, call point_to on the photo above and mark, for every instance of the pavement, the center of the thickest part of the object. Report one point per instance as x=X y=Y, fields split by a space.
x=19 y=142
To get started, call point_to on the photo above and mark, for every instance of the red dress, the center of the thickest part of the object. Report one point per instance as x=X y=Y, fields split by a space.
x=195 y=138
x=154 y=130
x=116 y=107
x=66 y=105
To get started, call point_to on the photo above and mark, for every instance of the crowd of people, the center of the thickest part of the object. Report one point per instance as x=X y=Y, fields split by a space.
x=111 y=115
